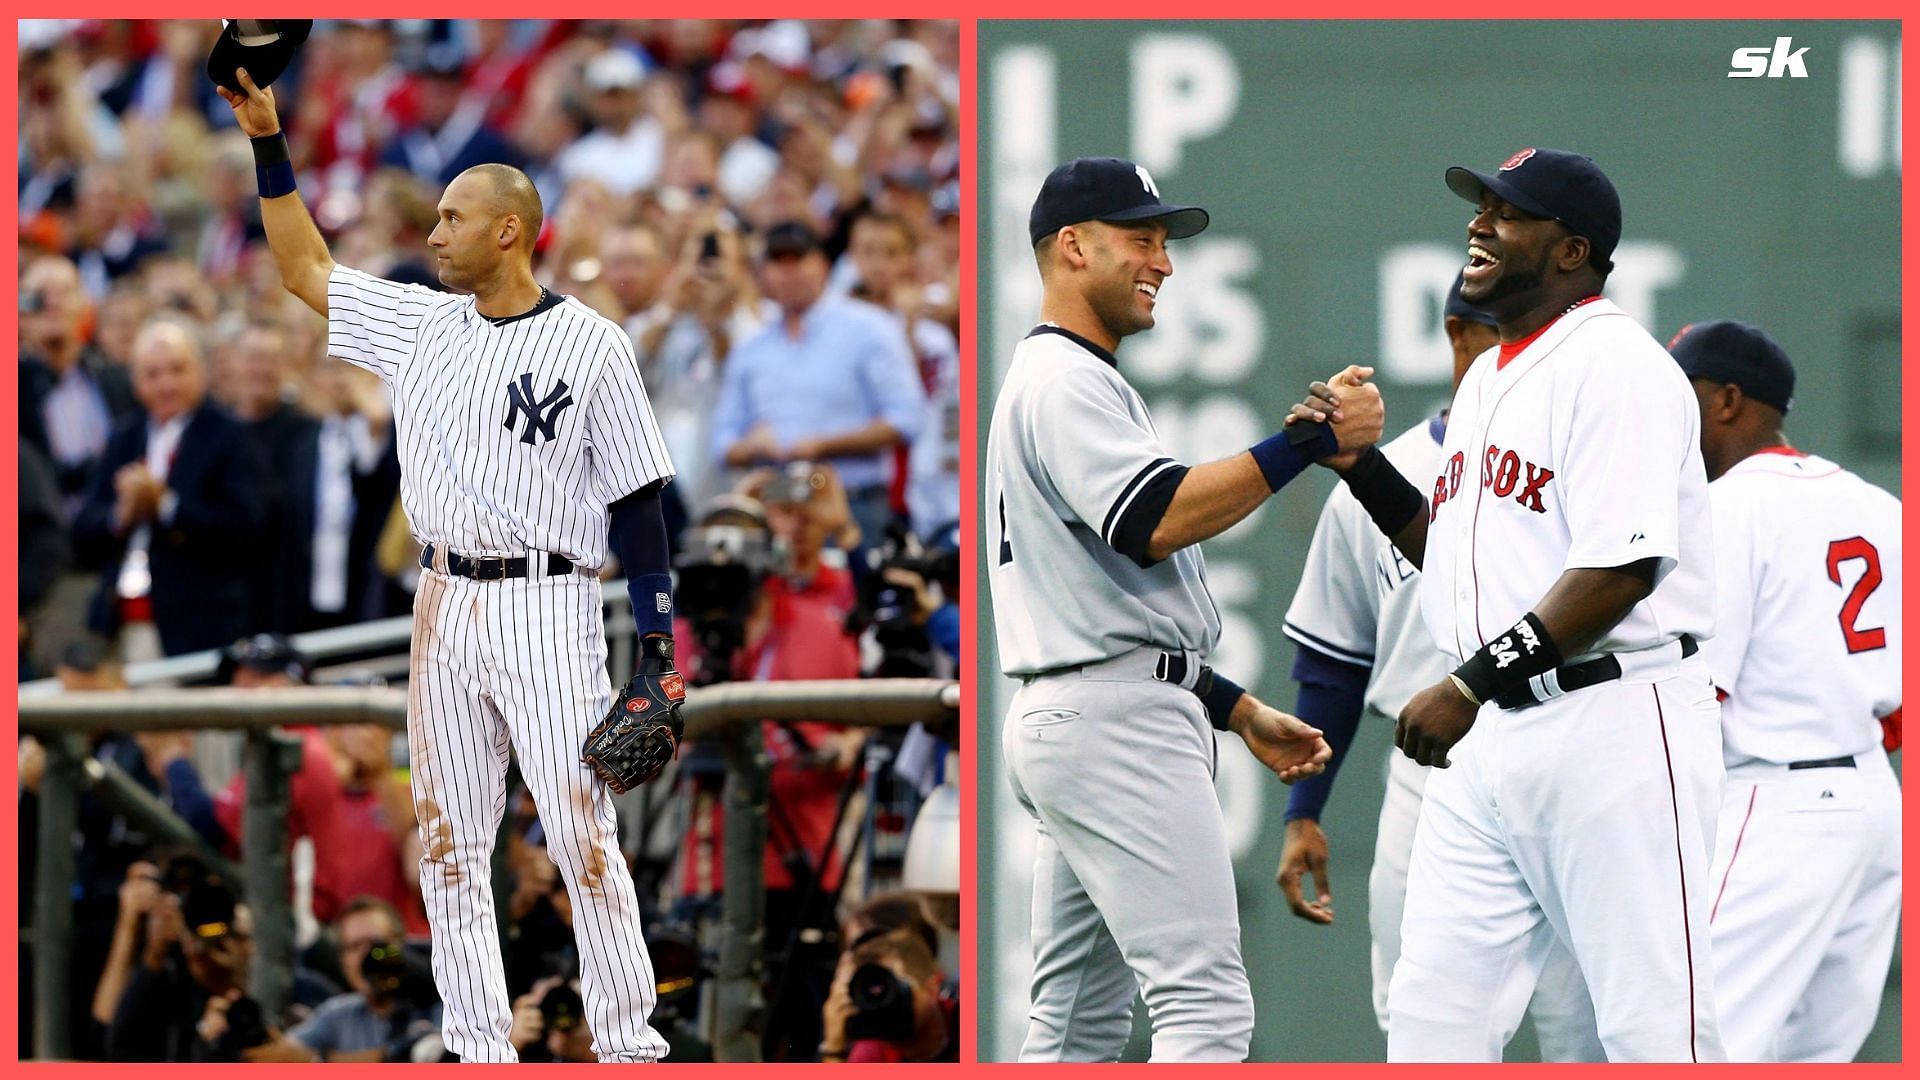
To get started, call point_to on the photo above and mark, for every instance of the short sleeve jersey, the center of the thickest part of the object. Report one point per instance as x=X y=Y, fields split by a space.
x=1582 y=451
x=1808 y=636
x=514 y=434
x=1069 y=450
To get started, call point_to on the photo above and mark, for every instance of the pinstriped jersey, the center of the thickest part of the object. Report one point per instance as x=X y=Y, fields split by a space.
x=514 y=434
x=1069 y=453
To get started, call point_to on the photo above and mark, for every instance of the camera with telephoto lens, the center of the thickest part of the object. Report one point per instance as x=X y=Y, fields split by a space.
x=720 y=569
x=892 y=610
x=246 y=1029
x=882 y=1005
x=385 y=967
x=562 y=1009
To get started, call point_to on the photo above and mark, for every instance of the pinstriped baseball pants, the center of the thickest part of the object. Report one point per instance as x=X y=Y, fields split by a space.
x=520 y=664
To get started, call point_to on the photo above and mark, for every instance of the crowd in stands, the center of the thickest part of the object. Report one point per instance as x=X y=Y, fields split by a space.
x=769 y=208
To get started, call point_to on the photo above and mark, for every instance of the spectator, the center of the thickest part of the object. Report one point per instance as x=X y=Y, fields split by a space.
x=707 y=306
x=195 y=955
x=43 y=541
x=70 y=396
x=883 y=253
x=348 y=858
x=387 y=1010
x=174 y=507
x=549 y=1023
x=341 y=491
x=626 y=148
x=890 y=1002
x=833 y=381
x=232 y=218
x=450 y=133
x=112 y=231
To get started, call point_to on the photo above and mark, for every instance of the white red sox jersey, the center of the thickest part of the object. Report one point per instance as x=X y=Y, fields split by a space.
x=1807 y=645
x=514 y=434
x=1581 y=451
x=1069 y=451
x=1359 y=598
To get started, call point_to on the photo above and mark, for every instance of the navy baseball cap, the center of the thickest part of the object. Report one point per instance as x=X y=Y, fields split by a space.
x=1458 y=307
x=1106 y=189
x=1735 y=354
x=1557 y=184
x=790 y=238
x=263 y=46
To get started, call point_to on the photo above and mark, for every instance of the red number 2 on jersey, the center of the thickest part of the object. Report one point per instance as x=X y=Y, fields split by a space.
x=1840 y=551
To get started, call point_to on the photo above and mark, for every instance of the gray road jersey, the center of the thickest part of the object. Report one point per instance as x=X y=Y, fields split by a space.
x=1070 y=448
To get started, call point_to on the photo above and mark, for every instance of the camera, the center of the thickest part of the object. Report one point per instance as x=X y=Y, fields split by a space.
x=892 y=609
x=882 y=1005
x=246 y=1029
x=562 y=1009
x=720 y=570
x=386 y=966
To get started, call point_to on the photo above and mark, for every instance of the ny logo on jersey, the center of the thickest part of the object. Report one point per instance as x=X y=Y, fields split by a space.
x=542 y=414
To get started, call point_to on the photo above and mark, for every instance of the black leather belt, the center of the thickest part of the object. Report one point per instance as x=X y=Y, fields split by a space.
x=494 y=567
x=1571 y=677
x=1824 y=763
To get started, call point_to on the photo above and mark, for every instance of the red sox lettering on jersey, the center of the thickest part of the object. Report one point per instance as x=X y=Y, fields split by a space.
x=1500 y=473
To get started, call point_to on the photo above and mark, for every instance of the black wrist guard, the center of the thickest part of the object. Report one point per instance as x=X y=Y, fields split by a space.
x=1509 y=660
x=656 y=654
x=1385 y=494
x=1218 y=695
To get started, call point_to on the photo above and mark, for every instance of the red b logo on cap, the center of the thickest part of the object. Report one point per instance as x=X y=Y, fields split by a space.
x=1517 y=160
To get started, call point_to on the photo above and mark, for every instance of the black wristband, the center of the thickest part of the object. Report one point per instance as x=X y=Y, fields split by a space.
x=1508 y=661
x=656 y=654
x=273 y=165
x=271 y=149
x=1386 y=495
x=1218 y=695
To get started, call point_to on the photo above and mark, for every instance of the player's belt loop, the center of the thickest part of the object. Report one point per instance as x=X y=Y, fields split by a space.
x=1181 y=669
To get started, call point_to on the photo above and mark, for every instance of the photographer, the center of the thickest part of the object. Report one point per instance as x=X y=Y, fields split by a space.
x=550 y=1024
x=390 y=1006
x=890 y=1003
x=186 y=1000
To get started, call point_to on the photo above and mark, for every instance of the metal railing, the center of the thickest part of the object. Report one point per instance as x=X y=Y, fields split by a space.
x=271 y=758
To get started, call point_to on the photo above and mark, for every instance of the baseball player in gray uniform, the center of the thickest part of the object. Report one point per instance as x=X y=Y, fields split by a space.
x=1362 y=649
x=525 y=438
x=1101 y=607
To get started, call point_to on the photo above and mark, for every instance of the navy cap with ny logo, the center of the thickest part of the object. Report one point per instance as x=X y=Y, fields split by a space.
x=1106 y=189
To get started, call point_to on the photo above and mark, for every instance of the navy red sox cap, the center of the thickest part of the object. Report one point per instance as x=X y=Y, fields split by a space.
x=1557 y=184
x=1735 y=354
x=1106 y=189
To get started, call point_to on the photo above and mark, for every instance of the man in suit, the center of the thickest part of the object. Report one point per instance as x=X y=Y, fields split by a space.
x=340 y=484
x=174 y=509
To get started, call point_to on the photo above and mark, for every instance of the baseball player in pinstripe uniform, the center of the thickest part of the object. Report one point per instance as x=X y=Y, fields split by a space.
x=1101 y=607
x=1363 y=650
x=525 y=437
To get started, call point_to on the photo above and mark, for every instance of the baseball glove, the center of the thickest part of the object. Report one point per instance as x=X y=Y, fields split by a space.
x=642 y=731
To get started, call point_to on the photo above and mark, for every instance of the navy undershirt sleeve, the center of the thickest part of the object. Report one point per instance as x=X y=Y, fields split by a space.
x=1332 y=697
x=637 y=532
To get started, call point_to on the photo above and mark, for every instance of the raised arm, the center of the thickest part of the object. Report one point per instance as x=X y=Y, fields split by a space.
x=298 y=248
